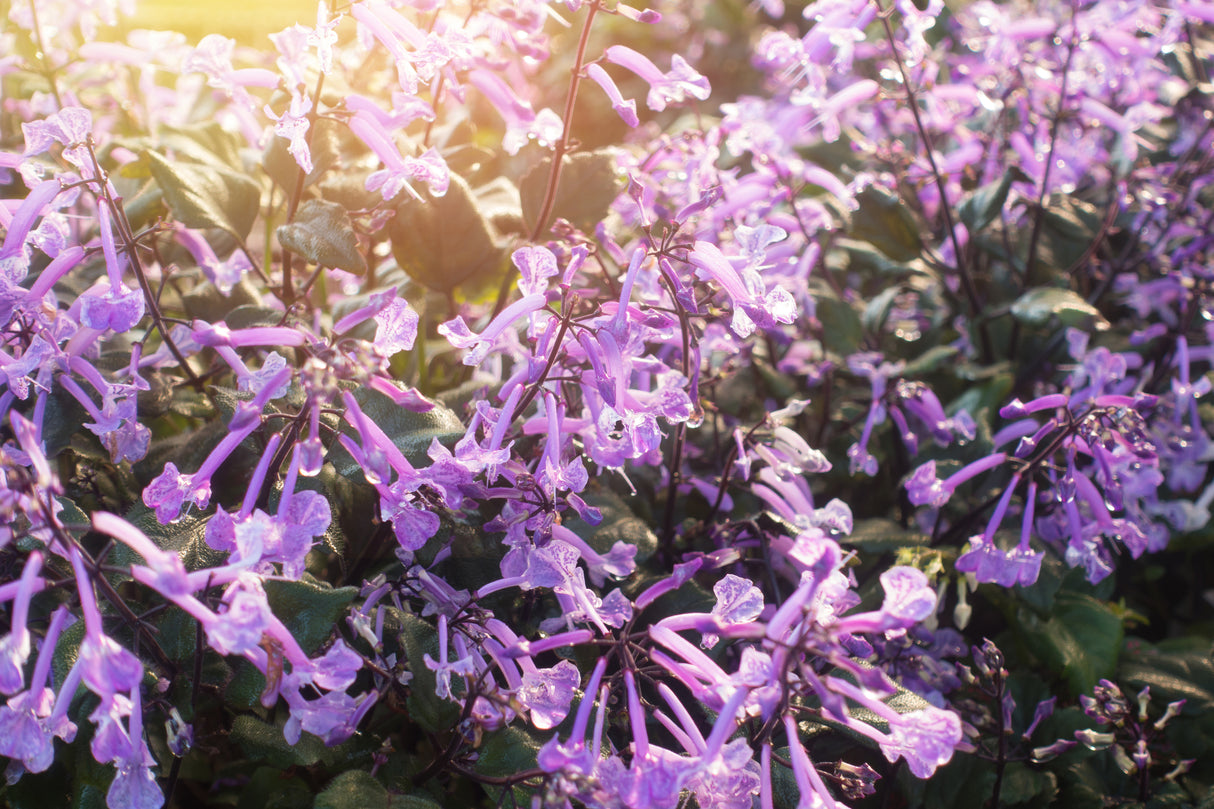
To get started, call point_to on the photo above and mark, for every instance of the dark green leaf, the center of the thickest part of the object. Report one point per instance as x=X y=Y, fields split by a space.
x=206 y=302
x=1040 y=306
x=878 y=535
x=877 y=310
x=271 y=788
x=1080 y=642
x=966 y=782
x=506 y=752
x=322 y=233
x=883 y=220
x=353 y=789
x=981 y=206
x=413 y=802
x=842 y=330
x=254 y=316
x=1068 y=228
x=264 y=742
x=143 y=206
x=929 y=361
x=589 y=183
x=445 y=242
x=207 y=196
x=1023 y=785
x=1177 y=669
x=309 y=609
x=186 y=538
x=499 y=201
x=207 y=142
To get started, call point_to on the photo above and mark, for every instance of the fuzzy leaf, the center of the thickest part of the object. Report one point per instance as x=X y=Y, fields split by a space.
x=353 y=789
x=308 y=609
x=444 y=242
x=1038 y=307
x=1080 y=642
x=322 y=233
x=207 y=196
x=589 y=183
x=981 y=206
x=884 y=220
x=261 y=741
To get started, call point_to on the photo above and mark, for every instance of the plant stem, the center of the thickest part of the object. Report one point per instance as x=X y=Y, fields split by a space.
x=963 y=270
x=1030 y=262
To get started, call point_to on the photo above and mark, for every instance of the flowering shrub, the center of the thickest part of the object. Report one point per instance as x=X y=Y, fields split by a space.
x=569 y=404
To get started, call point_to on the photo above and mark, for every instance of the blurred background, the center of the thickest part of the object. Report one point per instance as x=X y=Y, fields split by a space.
x=246 y=21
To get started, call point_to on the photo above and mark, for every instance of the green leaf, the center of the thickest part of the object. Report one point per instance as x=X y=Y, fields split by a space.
x=879 y=535
x=323 y=234
x=506 y=752
x=620 y=524
x=1023 y=785
x=1080 y=642
x=965 y=782
x=589 y=183
x=309 y=609
x=929 y=361
x=271 y=788
x=353 y=789
x=981 y=206
x=1175 y=669
x=261 y=741
x=207 y=142
x=413 y=802
x=411 y=432
x=207 y=196
x=1040 y=306
x=883 y=220
x=445 y=242
x=1068 y=228
x=206 y=302
x=842 y=330
x=144 y=205
x=186 y=537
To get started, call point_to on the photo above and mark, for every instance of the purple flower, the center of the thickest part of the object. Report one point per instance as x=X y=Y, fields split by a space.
x=547 y=693
x=116 y=308
x=459 y=335
x=15 y=646
x=738 y=600
x=535 y=266
x=294 y=125
x=574 y=757
x=664 y=88
x=239 y=628
x=71 y=126
x=925 y=738
x=444 y=668
x=625 y=108
x=399 y=172
x=522 y=123
x=31 y=720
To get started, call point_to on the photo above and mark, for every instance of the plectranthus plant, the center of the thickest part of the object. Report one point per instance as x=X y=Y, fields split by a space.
x=731 y=405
